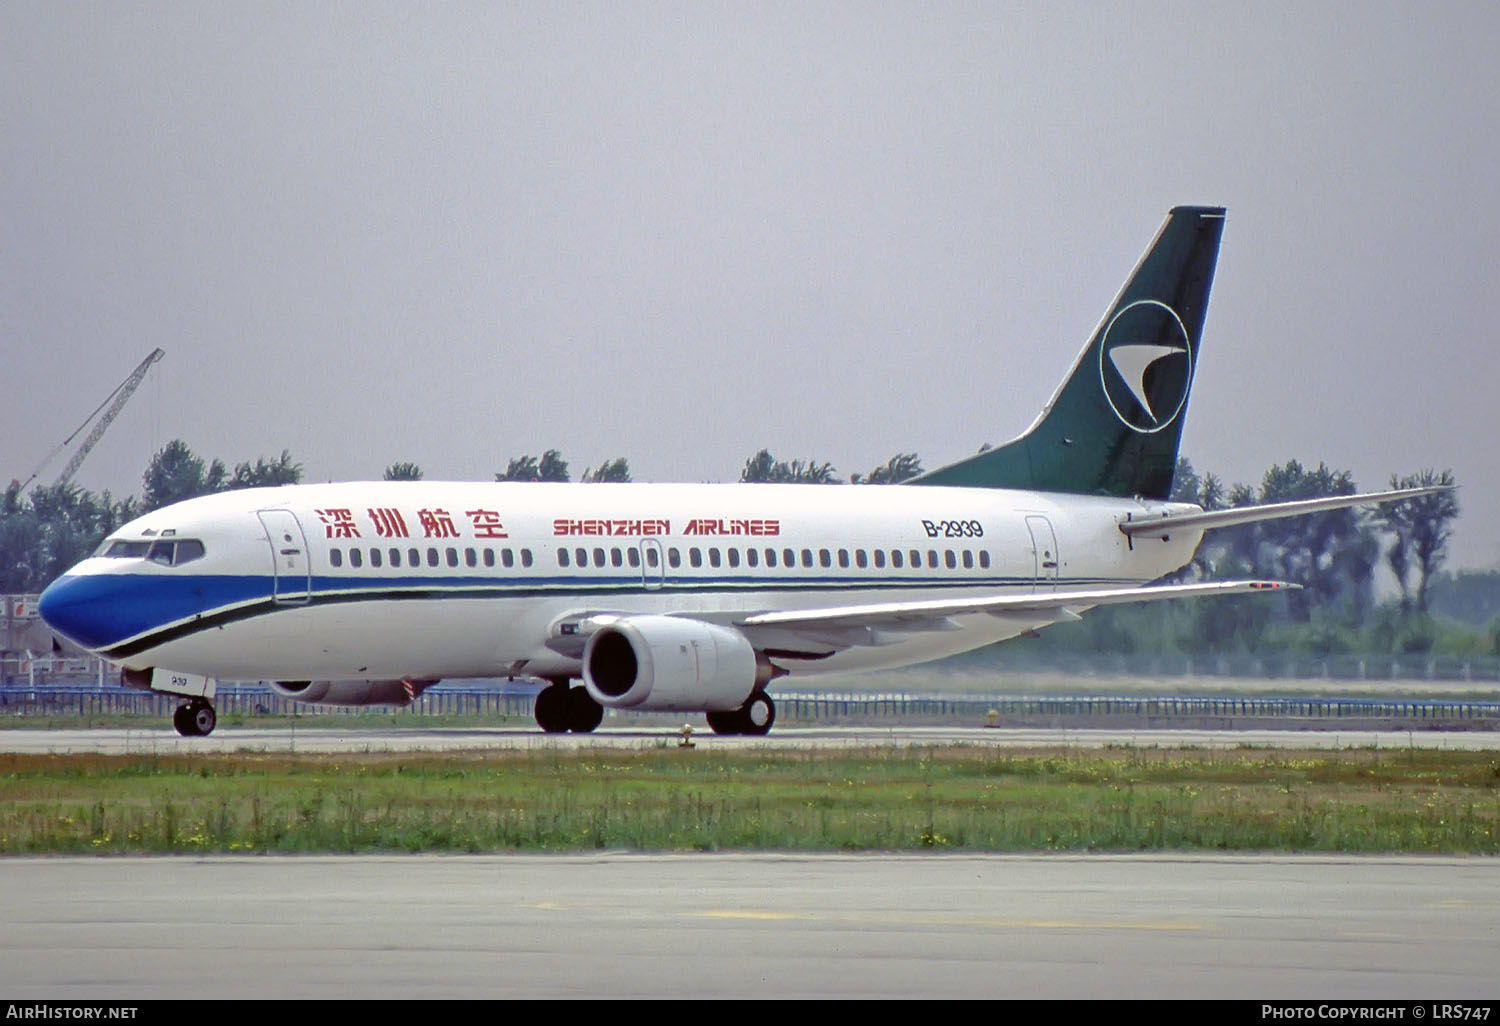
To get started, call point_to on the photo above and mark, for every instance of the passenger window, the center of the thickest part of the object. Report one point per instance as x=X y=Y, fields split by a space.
x=471 y=558
x=452 y=557
x=695 y=557
x=984 y=559
x=375 y=557
x=335 y=557
x=932 y=559
x=508 y=558
x=916 y=559
x=356 y=558
x=413 y=557
x=674 y=559
x=879 y=559
x=968 y=560
x=825 y=558
x=752 y=557
x=807 y=558
x=395 y=555
x=633 y=557
x=844 y=558
x=771 y=557
x=432 y=557
x=896 y=559
x=598 y=557
x=949 y=560
x=562 y=557
x=489 y=557
x=616 y=557
x=525 y=557
x=713 y=557
x=859 y=559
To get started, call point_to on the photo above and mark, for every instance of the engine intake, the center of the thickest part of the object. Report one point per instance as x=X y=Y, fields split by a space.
x=671 y=664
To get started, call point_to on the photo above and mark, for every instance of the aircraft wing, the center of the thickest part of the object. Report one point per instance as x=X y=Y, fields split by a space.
x=888 y=622
x=811 y=633
x=1160 y=527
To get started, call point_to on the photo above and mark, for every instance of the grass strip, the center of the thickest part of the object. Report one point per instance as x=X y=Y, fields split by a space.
x=668 y=799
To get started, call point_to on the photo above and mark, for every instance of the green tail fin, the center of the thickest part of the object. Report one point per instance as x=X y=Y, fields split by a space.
x=1114 y=426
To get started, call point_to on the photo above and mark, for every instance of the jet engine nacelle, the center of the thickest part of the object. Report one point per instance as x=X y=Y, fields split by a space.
x=351 y=692
x=670 y=664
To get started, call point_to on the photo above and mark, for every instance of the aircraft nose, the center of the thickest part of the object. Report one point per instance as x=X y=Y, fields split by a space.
x=70 y=606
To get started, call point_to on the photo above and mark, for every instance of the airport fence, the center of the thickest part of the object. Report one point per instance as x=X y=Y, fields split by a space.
x=22 y=669
x=1264 y=666
x=512 y=700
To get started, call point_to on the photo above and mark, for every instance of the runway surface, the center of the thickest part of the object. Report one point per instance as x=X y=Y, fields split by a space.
x=744 y=926
x=323 y=738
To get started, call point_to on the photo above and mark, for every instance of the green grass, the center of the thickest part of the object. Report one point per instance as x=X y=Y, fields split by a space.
x=669 y=799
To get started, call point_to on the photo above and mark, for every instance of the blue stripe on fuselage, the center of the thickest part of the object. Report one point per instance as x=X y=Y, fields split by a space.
x=100 y=610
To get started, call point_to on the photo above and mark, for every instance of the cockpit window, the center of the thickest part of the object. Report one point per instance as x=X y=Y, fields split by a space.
x=125 y=549
x=175 y=553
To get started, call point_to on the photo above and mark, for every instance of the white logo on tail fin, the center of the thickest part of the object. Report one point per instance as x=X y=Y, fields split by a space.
x=1146 y=340
x=1132 y=362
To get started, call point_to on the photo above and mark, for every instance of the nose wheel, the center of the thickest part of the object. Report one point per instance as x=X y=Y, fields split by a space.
x=194 y=719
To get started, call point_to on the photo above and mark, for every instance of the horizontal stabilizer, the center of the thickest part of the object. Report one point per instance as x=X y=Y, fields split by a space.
x=1160 y=527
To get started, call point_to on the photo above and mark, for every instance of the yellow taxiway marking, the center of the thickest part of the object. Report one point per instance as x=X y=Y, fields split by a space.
x=972 y=923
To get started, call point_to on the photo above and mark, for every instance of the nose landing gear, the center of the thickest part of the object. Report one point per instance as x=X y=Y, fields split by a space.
x=195 y=718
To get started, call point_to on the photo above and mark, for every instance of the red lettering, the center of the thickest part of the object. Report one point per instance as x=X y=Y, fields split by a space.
x=338 y=523
x=486 y=523
x=389 y=523
x=436 y=523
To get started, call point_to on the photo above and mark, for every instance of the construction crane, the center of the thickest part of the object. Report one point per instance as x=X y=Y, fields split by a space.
x=116 y=401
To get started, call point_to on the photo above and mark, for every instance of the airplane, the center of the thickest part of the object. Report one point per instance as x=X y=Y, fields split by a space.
x=688 y=598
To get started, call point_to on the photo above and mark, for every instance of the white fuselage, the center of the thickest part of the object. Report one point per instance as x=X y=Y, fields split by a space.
x=425 y=579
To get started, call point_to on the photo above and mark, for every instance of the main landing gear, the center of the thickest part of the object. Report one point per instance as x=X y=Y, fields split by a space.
x=754 y=717
x=560 y=708
x=195 y=718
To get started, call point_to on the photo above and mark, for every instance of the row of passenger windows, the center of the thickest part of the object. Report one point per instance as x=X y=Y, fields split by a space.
x=434 y=557
x=862 y=559
x=878 y=559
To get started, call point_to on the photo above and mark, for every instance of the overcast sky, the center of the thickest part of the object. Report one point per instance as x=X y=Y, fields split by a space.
x=679 y=233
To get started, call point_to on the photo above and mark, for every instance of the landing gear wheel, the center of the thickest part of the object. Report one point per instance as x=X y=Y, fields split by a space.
x=725 y=723
x=551 y=708
x=203 y=717
x=584 y=714
x=195 y=719
x=757 y=714
x=753 y=718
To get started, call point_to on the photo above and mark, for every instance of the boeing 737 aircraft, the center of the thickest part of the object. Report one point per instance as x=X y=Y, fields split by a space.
x=680 y=597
